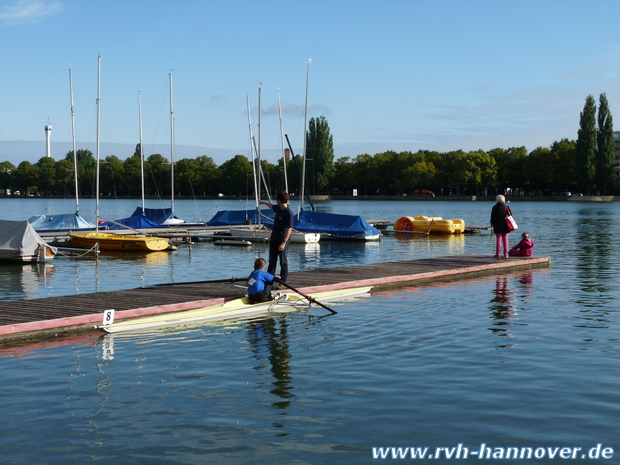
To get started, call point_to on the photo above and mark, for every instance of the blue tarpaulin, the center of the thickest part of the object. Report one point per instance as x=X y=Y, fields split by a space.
x=134 y=222
x=62 y=222
x=238 y=217
x=156 y=215
x=341 y=226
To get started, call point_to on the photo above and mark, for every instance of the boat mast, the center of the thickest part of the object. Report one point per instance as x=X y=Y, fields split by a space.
x=253 y=150
x=261 y=174
x=303 y=169
x=282 y=141
x=141 y=151
x=98 y=134
x=258 y=127
x=75 y=160
x=171 y=148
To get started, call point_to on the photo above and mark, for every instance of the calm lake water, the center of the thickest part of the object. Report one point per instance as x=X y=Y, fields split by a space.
x=523 y=359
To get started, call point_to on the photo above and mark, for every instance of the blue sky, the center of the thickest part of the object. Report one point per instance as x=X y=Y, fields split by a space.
x=388 y=75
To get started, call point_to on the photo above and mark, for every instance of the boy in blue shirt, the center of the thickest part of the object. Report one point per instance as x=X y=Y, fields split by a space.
x=260 y=283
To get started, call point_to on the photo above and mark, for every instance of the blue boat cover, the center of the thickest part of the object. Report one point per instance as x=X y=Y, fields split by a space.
x=343 y=226
x=238 y=217
x=156 y=215
x=63 y=222
x=134 y=222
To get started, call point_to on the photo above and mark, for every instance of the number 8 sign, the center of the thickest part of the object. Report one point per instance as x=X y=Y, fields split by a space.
x=108 y=317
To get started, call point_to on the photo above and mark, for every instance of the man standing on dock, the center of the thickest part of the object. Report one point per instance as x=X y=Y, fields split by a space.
x=280 y=235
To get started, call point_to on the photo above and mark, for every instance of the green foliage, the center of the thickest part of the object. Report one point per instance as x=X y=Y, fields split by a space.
x=196 y=177
x=233 y=176
x=26 y=178
x=563 y=174
x=64 y=178
x=320 y=150
x=511 y=169
x=112 y=177
x=6 y=174
x=86 y=171
x=131 y=172
x=605 y=178
x=47 y=175
x=587 y=147
x=586 y=165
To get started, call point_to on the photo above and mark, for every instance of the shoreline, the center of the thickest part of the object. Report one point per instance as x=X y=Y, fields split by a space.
x=400 y=198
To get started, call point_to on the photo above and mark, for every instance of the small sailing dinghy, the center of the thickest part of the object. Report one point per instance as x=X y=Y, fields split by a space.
x=65 y=221
x=119 y=242
x=105 y=240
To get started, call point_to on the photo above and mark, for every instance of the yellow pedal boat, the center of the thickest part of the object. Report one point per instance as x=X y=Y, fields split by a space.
x=429 y=225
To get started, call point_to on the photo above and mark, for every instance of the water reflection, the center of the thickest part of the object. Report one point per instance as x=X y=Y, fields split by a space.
x=26 y=349
x=270 y=346
x=504 y=303
x=307 y=255
x=24 y=281
x=338 y=253
x=595 y=253
x=449 y=244
x=103 y=396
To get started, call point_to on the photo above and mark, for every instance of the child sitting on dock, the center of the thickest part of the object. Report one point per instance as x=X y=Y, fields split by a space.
x=523 y=248
x=260 y=283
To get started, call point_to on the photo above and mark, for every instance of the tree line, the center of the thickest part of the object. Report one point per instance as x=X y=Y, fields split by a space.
x=585 y=165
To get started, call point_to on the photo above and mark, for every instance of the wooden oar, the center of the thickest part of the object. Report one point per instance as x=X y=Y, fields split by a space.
x=310 y=299
x=232 y=280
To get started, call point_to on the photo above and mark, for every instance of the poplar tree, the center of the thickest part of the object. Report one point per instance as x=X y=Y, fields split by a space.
x=605 y=161
x=320 y=149
x=587 y=147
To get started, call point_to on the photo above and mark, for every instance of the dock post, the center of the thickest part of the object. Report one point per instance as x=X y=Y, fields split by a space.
x=41 y=255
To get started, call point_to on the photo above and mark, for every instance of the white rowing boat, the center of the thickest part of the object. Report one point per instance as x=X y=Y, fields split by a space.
x=237 y=308
x=261 y=233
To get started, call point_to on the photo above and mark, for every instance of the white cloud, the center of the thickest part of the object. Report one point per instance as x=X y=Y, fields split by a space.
x=28 y=11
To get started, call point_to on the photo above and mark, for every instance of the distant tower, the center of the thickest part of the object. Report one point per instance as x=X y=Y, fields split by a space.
x=48 y=135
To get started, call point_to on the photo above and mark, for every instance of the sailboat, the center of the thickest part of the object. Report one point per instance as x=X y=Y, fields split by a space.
x=254 y=216
x=110 y=241
x=261 y=232
x=138 y=219
x=329 y=225
x=65 y=221
x=248 y=216
x=164 y=216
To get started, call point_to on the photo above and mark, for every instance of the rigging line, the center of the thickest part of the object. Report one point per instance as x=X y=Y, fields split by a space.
x=91 y=179
x=283 y=148
x=161 y=110
x=155 y=182
x=111 y=170
x=195 y=199
x=107 y=167
x=268 y=183
x=191 y=185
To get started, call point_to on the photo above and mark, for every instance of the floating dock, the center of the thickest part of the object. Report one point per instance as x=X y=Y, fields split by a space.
x=56 y=316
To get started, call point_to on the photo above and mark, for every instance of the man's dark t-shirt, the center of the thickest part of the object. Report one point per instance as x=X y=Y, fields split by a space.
x=283 y=221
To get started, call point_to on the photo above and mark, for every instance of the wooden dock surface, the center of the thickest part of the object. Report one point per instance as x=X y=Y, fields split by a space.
x=58 y=315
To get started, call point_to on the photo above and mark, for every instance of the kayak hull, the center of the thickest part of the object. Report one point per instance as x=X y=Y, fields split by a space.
x=237 y=308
